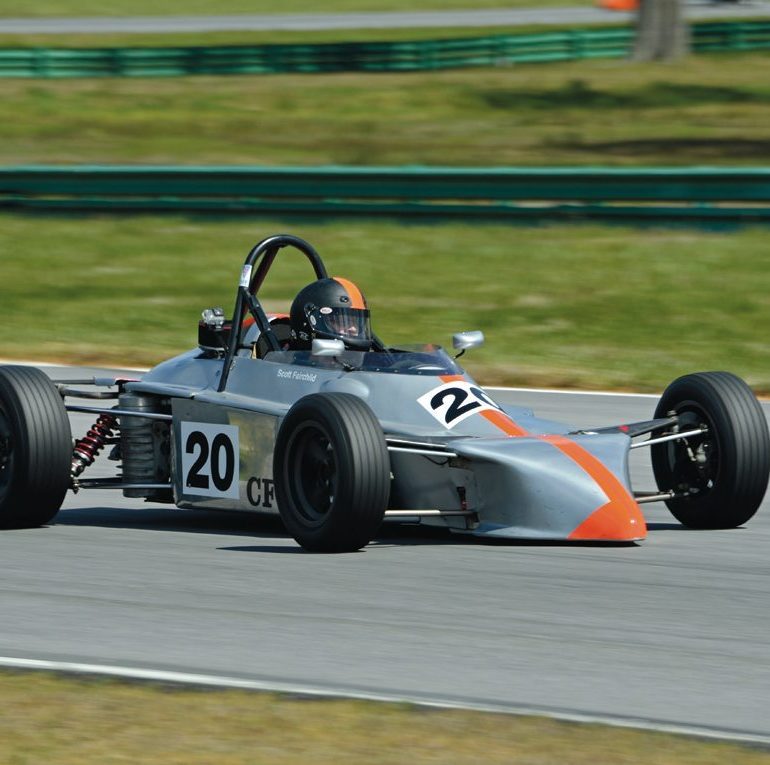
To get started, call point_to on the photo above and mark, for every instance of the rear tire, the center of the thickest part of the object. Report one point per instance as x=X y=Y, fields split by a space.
x=332 y=472
x=35 y=448
x=730 y=473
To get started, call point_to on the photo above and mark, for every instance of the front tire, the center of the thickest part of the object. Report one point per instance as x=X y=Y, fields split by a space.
x=35 y=448
x=332 y=472
x=727 y=469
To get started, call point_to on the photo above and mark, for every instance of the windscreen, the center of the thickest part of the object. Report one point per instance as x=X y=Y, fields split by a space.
x=411 y=360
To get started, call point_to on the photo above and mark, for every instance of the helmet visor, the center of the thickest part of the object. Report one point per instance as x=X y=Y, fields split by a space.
x=348 y=324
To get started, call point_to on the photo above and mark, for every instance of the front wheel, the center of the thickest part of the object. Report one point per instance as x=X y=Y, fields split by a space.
x=722 y=474
x=35 y=448
x=332 y=472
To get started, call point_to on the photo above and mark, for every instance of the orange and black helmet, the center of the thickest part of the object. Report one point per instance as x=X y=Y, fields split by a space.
x=333 y=309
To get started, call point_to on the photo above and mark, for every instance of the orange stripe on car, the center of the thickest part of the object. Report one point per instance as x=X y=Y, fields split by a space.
x=356 y=298
x=608 y=524
x=620 y=518
x=504 y=422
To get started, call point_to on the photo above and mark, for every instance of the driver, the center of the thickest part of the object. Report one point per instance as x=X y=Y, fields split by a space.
x=331 y=309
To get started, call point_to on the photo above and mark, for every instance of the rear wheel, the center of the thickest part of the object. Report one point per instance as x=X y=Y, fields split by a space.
x=724 y=471
x=35 y=448
x=332 y=472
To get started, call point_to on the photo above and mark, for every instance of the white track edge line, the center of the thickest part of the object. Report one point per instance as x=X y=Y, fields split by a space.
x=234 y=683
x=26 y=363
x=571 y=392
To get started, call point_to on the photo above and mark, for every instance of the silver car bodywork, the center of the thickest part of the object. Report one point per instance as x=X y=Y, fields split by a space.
x=457 y=457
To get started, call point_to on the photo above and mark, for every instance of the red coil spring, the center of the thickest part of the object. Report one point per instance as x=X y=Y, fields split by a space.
x=88 y=447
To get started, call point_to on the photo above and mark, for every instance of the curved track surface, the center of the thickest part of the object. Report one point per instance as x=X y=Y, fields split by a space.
x=674 y=630
x=576 y=15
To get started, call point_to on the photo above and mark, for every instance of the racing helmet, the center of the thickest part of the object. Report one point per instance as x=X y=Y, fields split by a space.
x=332 y=309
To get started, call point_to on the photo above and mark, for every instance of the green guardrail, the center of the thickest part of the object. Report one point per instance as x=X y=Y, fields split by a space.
x=495 y=50
x=676 y=195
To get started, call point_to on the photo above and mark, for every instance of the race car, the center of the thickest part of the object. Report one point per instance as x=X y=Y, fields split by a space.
x=311 y=416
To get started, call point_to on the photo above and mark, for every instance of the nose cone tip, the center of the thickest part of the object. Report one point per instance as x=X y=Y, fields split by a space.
x=613 y=522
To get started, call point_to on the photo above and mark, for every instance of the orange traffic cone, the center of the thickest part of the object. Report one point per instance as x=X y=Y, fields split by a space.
x=619 y=5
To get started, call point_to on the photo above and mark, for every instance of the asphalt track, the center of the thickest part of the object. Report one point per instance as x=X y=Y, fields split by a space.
x=672 y=633
x=559 y=16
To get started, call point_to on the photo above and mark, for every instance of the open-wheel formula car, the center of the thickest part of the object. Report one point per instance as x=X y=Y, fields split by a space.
x=311 y=416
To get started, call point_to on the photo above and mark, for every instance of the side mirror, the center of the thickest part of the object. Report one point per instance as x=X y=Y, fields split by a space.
x=461 y=341
x=327 y=347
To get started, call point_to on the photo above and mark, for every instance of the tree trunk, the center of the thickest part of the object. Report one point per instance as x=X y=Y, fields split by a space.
x=661 y=31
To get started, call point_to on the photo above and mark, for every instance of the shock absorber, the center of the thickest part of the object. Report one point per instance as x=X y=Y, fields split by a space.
x=87 y=448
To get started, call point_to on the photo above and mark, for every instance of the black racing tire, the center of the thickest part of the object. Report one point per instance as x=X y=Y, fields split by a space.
x=332 y=472
x=734 y=456
x=35 y=448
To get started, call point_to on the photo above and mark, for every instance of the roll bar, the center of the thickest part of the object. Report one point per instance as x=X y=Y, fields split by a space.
x=250 y=283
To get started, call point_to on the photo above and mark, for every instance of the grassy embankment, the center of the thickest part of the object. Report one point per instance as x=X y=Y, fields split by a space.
x=78 y=722
x=710 y=110
x=566 y=306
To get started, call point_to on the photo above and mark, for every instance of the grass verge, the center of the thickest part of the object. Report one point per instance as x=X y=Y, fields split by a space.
x=267 y=37
x=569 y=306
x=708 y=110
x=79 y=722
